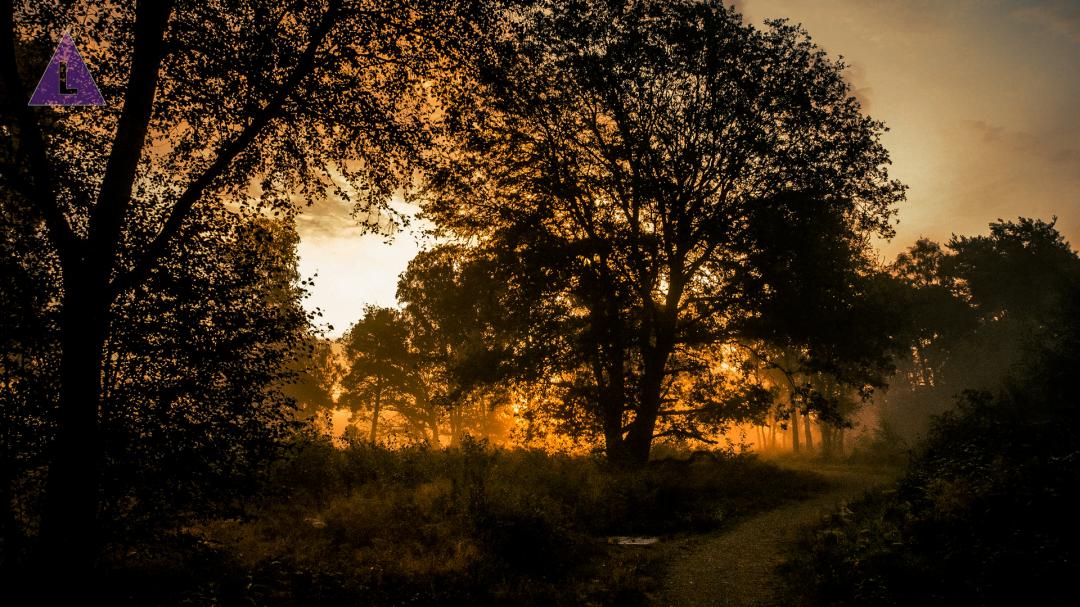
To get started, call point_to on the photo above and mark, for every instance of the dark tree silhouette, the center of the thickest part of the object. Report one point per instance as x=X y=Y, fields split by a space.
x=638 y=139
x=259 y=104
x=978 y=308
x=386 y=373
x=454 y=304
x=317 y=376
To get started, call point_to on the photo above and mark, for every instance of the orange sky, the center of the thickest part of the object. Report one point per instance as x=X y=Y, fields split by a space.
x=981 y=97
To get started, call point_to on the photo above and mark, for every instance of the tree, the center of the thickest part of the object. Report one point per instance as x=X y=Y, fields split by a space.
x=454 y=307
x=640 y=141
x=385 y=373
x=318 y=375
x=207 y=103
x=27 y=367
x=981 y=308
x=193 y=402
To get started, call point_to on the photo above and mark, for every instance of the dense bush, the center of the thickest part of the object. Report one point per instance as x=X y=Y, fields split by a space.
x=986 y=515
x=365 y=525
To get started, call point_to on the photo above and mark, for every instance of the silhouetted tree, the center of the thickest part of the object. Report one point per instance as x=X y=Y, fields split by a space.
x=193 y=406
x=454 y=306
x=386 y=373
x=318 y=376
x=257 y=103
x=28 y=327
x=637 y=141
x=980 y=309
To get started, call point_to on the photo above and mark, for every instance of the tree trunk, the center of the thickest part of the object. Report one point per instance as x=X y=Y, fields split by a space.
x=375 y=413
x=794 y=429
x=612 y=402
x=809 y=434
x=69 y=529
x=612 y=405
x=639 y=437
x=433 y=423
x=455 y=427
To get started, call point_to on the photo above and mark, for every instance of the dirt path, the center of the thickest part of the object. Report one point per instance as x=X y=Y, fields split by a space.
x=737 y=567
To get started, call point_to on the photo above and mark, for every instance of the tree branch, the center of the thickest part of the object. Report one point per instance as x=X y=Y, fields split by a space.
x=31 y=143
x=182 y=208
x=114 y=197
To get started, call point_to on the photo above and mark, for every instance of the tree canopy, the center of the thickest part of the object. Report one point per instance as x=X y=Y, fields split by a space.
x=652 y=148
x=256 y=105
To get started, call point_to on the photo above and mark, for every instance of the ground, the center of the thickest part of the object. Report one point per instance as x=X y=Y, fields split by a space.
x=737 y=566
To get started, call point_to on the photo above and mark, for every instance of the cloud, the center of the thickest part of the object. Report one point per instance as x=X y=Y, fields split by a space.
x=860 y=87
x=334 y=217
x=1061 y=17
x=997 y=172
x=1026 y=147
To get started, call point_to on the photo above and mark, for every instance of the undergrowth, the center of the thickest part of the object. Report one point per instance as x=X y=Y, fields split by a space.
x=477 y=525
x=985 y=515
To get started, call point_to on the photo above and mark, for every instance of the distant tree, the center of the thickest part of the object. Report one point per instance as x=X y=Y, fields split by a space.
x=981 y=309
x=453 y=304
x=257 y=104
x=318 y=376
x=1023 y=270
x=385 y=373
x=830 y=322
x=634 y=144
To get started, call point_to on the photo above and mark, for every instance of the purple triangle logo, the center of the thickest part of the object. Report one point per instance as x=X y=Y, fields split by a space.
x=66 y=80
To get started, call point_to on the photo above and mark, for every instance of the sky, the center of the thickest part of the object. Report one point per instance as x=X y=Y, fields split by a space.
x=982 y=99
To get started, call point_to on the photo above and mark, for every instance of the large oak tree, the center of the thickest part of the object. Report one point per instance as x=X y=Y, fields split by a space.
x=651 y=146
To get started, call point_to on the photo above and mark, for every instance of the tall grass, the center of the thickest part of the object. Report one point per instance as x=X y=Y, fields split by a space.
x=479 y=525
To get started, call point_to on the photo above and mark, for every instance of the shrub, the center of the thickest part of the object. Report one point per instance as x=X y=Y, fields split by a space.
x=985 y=515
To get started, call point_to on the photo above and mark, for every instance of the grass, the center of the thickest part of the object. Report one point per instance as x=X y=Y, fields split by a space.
x=476 y=525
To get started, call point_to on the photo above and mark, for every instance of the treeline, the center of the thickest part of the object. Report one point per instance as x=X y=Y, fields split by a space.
x=657 y=220
x=938 y=319
x=985 y=514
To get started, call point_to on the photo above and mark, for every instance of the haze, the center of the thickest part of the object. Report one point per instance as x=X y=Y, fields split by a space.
x=980 y=99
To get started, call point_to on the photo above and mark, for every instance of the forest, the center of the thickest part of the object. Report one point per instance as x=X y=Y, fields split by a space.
x=652 y=352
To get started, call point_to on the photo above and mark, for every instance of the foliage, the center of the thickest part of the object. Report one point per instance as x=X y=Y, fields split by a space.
x=209 y=106
x=367 y=525
x=979 y=309
x=316 y=377
x=385 y=373
x=986 y=512
x=645 y=152
x=193 y=407
x=198 y=358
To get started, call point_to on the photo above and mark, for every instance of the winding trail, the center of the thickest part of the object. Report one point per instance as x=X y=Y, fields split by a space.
x=737 y=567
